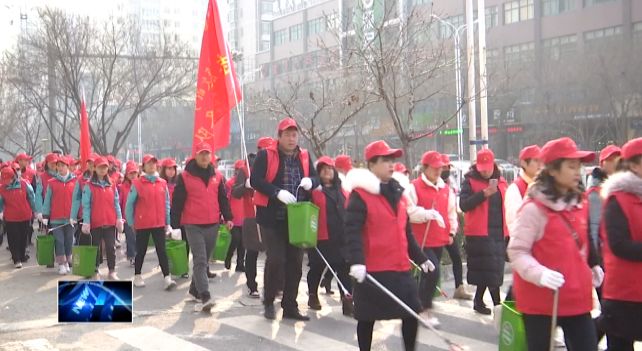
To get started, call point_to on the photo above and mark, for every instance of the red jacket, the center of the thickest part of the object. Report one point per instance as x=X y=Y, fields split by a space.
x=619 y=274
x=61 y=198
x=150 y=210
x=261 y=199
x=428 y=197
x=319 y=199
x=384 y=234
x=558 y=250
x=201 y=204
x=237 y=205
x=476 y=220
x=103 y=212
x=16 y=204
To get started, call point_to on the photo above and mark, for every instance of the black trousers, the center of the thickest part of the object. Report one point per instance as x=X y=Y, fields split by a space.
x=17 y=235
x=409 y=328
x=236 y=245
x=108 y=235
x=317 y=266
x=455 y=257
x=142 y=239
x=283 y=266
x=184 y=238
x=579 y=332
x=429 y=280
x=250 y=269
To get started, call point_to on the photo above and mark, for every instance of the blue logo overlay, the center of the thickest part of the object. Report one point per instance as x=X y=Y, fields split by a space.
x=95 y=301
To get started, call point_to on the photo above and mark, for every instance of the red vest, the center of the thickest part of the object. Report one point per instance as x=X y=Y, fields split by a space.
x=201 y=204
x=619 y=274
x=44 y=179
x=249 y=210
x=558 y=250
x=428 y=197
x=273 y=161
x=61 y=198
x=116 y=178
x=318 y=198
x=385 y=246
x=522 y=186
x=103 y=213
x=28 y=174
x=170 y=188
x=476 y=220
x=123 y=193
x=16 y=205
x=150 y=210
x=237 y=205
x=81 y=183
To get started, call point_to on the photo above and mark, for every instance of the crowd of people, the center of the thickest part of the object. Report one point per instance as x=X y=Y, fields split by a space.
x=375 y=224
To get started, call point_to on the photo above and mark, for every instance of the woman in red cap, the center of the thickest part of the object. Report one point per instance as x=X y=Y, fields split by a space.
x=56 y=211
x=380 y=243
x=147 y=210
x=17 y=204
x=331 y=199
x=238 y=213
x=622 y=251
x=86 y=172
x=42 y=180
x=551 y=252
x=482 y=201
x=102 y=216
x=131 y=174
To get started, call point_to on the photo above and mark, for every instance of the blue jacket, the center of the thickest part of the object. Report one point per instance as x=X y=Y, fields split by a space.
x=39 y=191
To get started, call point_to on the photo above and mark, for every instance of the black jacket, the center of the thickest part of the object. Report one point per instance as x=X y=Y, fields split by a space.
x=180 y=193
x=267 y=216
x=469 y=200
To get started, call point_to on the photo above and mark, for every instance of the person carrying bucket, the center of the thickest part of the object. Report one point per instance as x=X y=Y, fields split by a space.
x=17 y=204
x=282 y=174
x=380 y=244
x=433 y=212
x=622 y=251
x=147 y=211
x=238 y=212
x=42 y=180
x=56 y=210
x=169 y=172
x=199 y=202
x=331 y=200
x=553 y=258
x=102 y=215
x=131 y=174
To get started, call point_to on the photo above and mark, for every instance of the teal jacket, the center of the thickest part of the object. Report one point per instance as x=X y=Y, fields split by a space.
x=76 y=201
x=39 y=191
x=86 y=201
x=133 y=197
x=46 y=204
x=16 y=185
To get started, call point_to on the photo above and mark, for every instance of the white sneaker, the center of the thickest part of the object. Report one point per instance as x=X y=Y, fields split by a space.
x=138 y=281
x=169 y=283
x=113 y=276
x=96 y=276
x=18 y=265
x=67 y=268
x=61 y=269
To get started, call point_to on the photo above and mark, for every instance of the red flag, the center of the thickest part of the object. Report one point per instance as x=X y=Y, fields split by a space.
x=85 y=139
x=217 y=88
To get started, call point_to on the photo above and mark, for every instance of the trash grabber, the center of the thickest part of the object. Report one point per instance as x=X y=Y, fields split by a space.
x=556 y=300
x=54 y=228
x=423 y=243
x=441 y=292
x=343 y=288
x=452 y=346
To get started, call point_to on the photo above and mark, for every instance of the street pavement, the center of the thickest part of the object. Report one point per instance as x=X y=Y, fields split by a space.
x=167 y=321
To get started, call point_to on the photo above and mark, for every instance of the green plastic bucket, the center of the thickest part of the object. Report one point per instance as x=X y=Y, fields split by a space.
x=303 y=222
x=512 y=335
x=177 y=255
x=84 y=260
x=223 y=242
x=45 y=250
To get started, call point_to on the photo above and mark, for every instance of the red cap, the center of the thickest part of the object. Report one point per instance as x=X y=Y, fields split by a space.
x=287 y=123
x=632 y=149
x=7 y=174
x=149 y=158
x=168 y=162
x=564 y=148
x=381 y=148
x=118 y=163
x=325 y=160
x=264 y=142
x=111 y=159
x=485 y=160
x=101 y=161
x=14 y=165
x=66 y=160
x=529 y=152
x=239 y=164
x=343 y=162
x=609 y=151
x=432 y=159
x=203 y=147
x=51 y=157
x=23 y=156
x=445 y=159
x=130 y=167
x=400 y=167
x=92 y=157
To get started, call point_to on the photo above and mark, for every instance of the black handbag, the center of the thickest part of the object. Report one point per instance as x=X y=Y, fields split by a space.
x=251 y=236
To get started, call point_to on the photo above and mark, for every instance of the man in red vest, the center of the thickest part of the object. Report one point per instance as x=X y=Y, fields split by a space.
x=282 y=174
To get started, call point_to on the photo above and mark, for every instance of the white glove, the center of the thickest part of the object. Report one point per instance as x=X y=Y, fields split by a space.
x=168 y=230
x=306 y=183
x=73 y=222
x=247 y=183
x=39 y=216
x=120 y=225
x=551 y=279
x=434 y=215
x=286 y=197
x=1 y=216
x=598 y=276
x=86 y=228
x=427 y=266
x=45 y=222
x=358 y=272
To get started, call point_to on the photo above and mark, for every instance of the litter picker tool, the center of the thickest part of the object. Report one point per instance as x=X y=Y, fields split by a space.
x=556 y=300
x=343 y=288
x=441 y=292
x=58 y=227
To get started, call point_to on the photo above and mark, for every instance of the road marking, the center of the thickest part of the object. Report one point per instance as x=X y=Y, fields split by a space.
x=28 y=345
x=152 y=339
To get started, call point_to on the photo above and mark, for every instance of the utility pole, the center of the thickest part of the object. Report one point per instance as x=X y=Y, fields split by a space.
x=483 y=77
x=470 y=51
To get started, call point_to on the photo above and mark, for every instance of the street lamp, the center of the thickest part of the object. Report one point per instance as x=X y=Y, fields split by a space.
x=458 y=91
